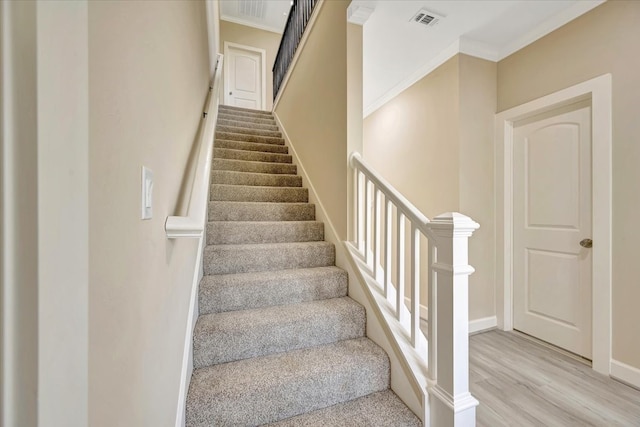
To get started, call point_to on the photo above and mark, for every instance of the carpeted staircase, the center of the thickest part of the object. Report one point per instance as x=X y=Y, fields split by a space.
x=278 y=340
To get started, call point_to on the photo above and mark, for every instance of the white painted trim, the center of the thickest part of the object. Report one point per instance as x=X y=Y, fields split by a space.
x=263 y=63
x=625 y=373
x=475 y=326
x=553 y=23
x=199 y=219
x=239 y=21
x=599 y=91
x=482 y=324
x=299 y=49
x=187 y=353
x=478 y=49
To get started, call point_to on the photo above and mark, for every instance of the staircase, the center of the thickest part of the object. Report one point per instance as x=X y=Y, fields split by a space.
x=278 y=341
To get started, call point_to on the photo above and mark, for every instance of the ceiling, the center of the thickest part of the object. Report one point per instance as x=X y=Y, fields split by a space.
x=398 y=52
x=270 y=15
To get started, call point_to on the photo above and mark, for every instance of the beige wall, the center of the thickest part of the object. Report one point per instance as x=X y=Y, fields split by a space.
x=19 y=209
x=313 y=110
x=148 y=68
x=476 y=158
x=249 y=36
x=605 y=40
x=63 y=213
x=434 y=143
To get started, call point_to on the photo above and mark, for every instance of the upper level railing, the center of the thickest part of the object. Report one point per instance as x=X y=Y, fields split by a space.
x=380 y=242
x=193 y=224
x=299 y=16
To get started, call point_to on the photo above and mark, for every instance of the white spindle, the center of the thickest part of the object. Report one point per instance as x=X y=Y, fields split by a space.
x=376 y=232
x=357 y=210
x=387 y=247
x=415 y=284
x=400 y=267
x=432 y=292
x=367 y=220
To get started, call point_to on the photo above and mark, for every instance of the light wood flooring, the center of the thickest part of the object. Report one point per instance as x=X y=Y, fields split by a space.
x=523 y=383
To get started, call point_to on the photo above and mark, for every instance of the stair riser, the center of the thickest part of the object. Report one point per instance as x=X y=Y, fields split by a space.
x=233 y=292
x=314 y=378
x=249 y=138
x=227 y=337
x=254 y=167
x=246 y=125
x=251 y=156
x=244 y=119
x=236 y=193
x=227 y=259
x=234 y=232
x=233 y=211
x=251 y=146
x=255 y=179
x=246 y=131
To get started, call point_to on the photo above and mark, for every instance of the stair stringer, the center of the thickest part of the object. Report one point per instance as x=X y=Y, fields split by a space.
x=409 y=384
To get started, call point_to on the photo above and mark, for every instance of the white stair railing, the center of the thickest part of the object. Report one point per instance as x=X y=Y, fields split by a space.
x=445 y=356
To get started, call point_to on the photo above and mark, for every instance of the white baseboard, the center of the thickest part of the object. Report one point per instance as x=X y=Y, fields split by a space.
x=625 y=373
x=477 y=325
x=482 y=324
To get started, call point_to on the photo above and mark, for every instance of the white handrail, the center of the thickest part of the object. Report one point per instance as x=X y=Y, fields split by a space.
x=193 y=224
x=445 y=355
x=406 y=207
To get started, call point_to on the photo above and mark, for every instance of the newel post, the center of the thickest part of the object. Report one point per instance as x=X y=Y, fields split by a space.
x=451 y=402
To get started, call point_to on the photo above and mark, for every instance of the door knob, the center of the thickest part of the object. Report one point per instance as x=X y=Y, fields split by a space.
x=586 y=243
x=230 y=93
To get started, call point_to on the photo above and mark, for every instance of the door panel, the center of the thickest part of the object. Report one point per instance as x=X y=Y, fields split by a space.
x=552 y=213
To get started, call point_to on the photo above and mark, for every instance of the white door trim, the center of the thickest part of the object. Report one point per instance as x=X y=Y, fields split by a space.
x=599 y=91
x=227 y=63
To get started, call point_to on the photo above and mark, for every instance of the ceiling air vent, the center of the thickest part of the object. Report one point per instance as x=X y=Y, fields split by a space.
x=253 y=8
x=426 y=18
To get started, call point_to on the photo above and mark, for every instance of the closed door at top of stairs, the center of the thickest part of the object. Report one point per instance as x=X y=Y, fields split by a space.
x=244 y=76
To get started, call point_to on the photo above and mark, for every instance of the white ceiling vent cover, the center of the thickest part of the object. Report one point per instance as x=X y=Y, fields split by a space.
x=253 y=8
x=426 y=18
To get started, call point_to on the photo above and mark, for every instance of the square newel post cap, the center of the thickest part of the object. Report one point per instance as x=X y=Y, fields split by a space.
x=454 y=223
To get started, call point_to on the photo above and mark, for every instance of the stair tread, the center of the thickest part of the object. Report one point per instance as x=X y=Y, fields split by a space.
x=249 y=131
x=275 y=387
x=381 y=409
x=242 y=334
x=261 y=211
x=230 y=232
x=230 y=144
x=255 y=178
x=249 y=138
x=254 y=156
x=244 y=258
x=230 y=292
x=258 y=193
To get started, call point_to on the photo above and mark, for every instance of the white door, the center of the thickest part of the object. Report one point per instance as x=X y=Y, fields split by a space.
x=244 y=76
x=551 y=217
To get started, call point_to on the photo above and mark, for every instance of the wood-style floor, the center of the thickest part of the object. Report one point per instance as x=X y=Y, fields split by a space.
x=522 y=383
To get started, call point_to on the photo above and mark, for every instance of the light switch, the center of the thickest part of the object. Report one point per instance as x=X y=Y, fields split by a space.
x=147 y=193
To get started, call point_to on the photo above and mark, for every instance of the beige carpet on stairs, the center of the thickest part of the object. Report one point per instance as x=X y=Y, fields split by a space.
x=278 y=341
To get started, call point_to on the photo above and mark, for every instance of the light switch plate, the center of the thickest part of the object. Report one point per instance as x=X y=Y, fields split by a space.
x=147 y=193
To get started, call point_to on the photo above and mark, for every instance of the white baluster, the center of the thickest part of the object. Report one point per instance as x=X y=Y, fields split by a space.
x=358 y=209
x=387 y=247
x=415 y=284
x=376 y=232
x=400 y=268
x=433 y=310
x=367 y=220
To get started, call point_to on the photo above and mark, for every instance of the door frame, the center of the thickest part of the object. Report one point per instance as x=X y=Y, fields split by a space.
x=598 y=90
x=227 y=64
